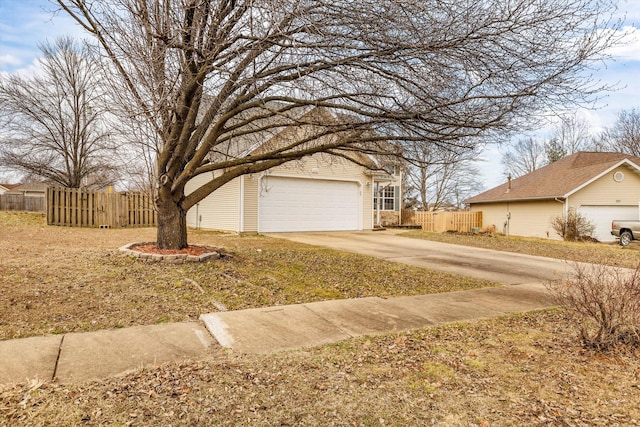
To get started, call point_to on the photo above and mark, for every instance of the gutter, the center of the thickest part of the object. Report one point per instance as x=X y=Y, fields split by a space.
x=523 y=199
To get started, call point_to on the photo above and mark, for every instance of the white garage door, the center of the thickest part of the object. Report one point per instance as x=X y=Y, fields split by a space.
x=290 y=204
x=602 y=216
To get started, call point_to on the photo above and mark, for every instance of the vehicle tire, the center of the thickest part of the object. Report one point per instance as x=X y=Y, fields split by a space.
x=625 y=238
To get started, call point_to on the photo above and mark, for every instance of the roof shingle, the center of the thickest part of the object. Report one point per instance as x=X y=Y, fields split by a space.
x=557 y=179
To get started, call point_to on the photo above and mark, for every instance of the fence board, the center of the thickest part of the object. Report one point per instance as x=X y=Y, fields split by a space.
x=82 y=208
x=445 y=221
x=20 y=202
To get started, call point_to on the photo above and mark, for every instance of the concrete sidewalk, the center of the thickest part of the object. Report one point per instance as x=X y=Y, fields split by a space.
x=273 y=329
x=86 y=356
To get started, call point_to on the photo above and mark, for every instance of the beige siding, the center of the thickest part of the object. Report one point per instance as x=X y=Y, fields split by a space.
x=321 y=166
x=493 y=214
x=250 y=204
x=606 y=191
x=220 y=210
x=530 y=219
x=367 y=204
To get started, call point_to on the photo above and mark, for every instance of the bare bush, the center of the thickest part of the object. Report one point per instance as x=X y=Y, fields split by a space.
x=573 y=227
x=605 y=303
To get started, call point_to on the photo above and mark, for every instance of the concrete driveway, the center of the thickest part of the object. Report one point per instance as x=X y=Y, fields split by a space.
x=503 y=267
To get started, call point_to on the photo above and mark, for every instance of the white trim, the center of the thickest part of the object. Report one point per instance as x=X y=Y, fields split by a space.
x=600 y=175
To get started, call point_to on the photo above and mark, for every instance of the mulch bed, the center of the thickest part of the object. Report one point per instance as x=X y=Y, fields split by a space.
x=195 y=250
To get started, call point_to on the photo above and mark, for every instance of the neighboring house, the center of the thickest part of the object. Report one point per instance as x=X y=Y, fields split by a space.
x=600 y=186
x=5 y=188
x=35 y=189
x=321 y=192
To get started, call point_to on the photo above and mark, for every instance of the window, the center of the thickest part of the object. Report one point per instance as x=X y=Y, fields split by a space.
x=389 y=199
x=392 y=170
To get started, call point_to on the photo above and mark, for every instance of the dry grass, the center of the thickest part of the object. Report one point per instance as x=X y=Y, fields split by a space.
x=517 y=370
x=58 y=279
x=611 y=254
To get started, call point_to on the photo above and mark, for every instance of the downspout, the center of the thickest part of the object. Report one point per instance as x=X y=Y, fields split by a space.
x=565 y=207
x=241 y=207
x=379 y=193
x=505 y=229
x=400 y=199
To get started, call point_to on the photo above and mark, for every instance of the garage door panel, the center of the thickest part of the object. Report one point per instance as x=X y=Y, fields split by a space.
x=291 y=204
x=601 y=217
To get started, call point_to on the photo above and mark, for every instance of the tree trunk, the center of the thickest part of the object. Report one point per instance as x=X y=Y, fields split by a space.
x=172 y=224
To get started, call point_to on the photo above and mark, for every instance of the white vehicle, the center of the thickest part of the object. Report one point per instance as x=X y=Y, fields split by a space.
x=625 y=230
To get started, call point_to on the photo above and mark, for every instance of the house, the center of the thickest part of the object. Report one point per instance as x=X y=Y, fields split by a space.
x=599 y=186
x=321 y=192
x=34 y=189
x=5 y=188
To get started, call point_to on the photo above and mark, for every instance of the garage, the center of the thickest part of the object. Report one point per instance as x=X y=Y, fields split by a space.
x=601 y=217
x=294 y=204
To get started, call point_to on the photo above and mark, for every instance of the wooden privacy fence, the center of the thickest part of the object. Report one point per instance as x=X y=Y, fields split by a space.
x=20 y=202
x=445 y=221
x=82 y=208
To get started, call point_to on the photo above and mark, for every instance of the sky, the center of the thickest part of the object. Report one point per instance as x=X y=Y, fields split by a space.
x=24 y=24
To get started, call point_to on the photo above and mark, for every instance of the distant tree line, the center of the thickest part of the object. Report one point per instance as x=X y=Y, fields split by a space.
x=571 y=135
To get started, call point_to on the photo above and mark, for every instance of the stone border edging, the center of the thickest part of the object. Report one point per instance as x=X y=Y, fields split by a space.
x=169 y=259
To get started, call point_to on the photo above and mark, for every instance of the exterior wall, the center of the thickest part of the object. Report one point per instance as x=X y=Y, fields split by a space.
x=250 y=211
x=218 y=211
x=367 y=202
x=387 y=218
x=606 y=191
x=530 y=218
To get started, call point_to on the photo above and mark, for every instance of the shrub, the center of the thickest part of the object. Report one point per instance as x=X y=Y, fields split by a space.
x=605 y=303
x=575 y=227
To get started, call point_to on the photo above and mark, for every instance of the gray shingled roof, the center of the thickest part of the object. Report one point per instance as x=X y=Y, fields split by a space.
x=558 y=179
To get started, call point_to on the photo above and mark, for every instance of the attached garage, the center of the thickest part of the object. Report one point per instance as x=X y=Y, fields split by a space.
x=298 y=204
x=600 y=186
x=318 y=192
x=601 y=217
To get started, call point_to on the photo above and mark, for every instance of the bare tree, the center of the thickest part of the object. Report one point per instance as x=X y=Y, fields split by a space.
x=441 y=175
x=568 y=137
x=524 y=157
x=624 y=135
x=209 y=74
x=52 y=123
